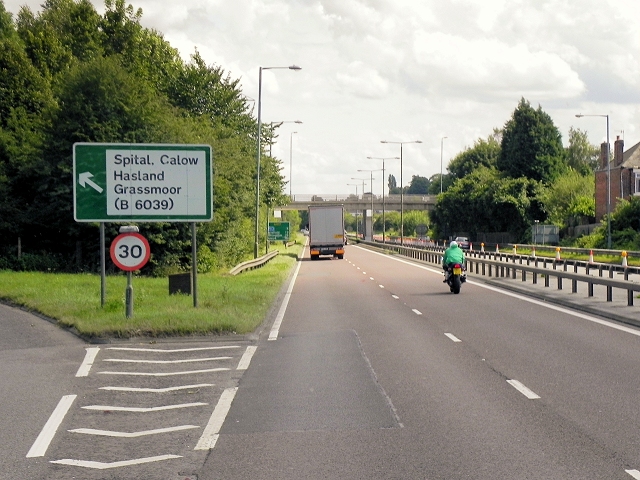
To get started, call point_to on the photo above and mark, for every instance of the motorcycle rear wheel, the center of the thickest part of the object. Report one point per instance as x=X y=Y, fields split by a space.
x=455 y=284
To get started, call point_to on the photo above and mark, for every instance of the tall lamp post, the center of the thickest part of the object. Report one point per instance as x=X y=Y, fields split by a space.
x=276 y=125
x=383 y=180
x=401 y=188
x=608 y=160
x=258 y=154
x=291 y=164
x=441 y=150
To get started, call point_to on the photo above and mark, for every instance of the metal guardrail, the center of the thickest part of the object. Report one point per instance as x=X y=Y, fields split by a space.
x=479 y=264
x=255 y=263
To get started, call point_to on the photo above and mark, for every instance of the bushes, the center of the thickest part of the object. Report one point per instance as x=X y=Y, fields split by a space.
x=36 y=262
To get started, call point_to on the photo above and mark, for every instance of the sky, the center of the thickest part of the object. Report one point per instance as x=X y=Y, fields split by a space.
x=407 y=70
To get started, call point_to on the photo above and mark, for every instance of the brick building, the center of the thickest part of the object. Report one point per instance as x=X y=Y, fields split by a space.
x=625 y=176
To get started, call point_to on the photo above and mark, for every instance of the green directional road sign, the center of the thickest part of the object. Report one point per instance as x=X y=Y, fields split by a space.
x=278 y=231
x=142 y=182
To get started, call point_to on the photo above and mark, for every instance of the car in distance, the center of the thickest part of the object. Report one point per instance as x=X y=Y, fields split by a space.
x=463 y=242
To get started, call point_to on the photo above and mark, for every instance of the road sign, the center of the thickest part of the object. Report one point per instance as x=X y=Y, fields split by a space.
x=278 y=231
x=130 y=251
x=142 y=182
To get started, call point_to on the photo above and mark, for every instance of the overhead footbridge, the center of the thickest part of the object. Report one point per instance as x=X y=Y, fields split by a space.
x=353 y=203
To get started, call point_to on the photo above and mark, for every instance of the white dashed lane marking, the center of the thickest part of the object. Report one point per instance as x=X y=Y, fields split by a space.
x=523 y=389
x=453 y=337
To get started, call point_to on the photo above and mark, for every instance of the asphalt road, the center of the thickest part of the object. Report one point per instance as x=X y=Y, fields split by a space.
x=374 y=370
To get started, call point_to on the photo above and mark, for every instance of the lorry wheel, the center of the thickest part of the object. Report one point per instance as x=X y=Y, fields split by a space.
x=340 y=257
x=314 y=257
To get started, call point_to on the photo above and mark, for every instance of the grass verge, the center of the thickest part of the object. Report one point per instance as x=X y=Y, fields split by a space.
x=226 y=304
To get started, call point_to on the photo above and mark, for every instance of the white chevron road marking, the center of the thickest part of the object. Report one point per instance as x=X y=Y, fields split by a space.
x=103 y=465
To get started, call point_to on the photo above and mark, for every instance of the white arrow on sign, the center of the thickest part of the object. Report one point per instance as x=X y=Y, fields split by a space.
x=84 y=179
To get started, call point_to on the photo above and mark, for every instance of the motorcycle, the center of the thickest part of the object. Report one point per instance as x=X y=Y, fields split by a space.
x=456 y=276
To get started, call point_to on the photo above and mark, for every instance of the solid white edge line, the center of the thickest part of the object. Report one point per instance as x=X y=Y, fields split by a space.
x=453 y=338
x=103 y=465
x=531 y=395
x=557 y=308
x=211 y=431
x=275 y=329
x=87 y=363
x=246 y=358
x=634 y=473
x=39 y=447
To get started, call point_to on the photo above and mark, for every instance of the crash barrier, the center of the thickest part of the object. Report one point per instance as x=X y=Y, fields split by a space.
x=506 y=265
x=255 y=263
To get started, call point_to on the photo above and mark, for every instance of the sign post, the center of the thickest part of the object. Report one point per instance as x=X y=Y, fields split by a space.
x=278 y=231
x=142 y=182
x=130 y=251
x=116 y=182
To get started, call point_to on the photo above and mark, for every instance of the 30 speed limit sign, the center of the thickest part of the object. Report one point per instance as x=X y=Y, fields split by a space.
x=130 y=251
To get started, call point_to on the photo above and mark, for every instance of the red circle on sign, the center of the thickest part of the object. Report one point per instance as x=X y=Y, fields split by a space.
x=130 y=251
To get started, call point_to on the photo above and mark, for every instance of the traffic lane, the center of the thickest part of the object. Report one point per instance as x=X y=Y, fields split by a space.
x=460 y=417
x=38 y=361
x=423 y=292
x=583 y=370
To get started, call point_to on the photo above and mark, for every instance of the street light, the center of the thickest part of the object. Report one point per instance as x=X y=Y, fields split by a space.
x=580 y=115
x=291 y=164
x=441 y=149
x=292 y=67
x=383 y=179
x=276 y=125
x=401 y=189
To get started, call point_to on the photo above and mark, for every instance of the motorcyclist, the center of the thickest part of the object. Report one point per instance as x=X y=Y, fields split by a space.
x=453 y=254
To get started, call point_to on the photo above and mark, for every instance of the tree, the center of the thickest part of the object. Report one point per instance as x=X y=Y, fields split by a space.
x=485 y=201
x=393 y=185
x=434 y=183
x=581 y=155
x=570 y=195
x=531 y=145
x=483 y=153
x=418 y=185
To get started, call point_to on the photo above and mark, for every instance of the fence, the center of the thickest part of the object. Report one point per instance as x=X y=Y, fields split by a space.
x=503 y=265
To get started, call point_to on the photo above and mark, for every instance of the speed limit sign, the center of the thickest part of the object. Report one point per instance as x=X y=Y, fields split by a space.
x=130 y=251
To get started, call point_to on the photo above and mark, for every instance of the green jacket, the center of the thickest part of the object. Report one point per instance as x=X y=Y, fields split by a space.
x=453 y=255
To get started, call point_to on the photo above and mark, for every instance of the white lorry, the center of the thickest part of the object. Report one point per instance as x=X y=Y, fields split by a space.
x=326 y=231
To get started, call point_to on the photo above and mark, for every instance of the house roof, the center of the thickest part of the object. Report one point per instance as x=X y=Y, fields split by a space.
x=631 y=158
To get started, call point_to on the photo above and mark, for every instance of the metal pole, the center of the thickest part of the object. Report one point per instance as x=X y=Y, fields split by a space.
x=441 y=150
x=103 y=271
x=401 y=202
x=129 y=296
x=383 y=205
x=291 y=164
x=371 y=183
x=608 y=189
x=255 y=246
x=194 y=265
